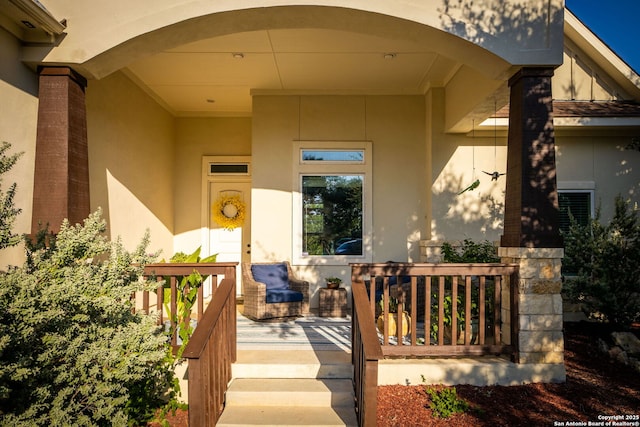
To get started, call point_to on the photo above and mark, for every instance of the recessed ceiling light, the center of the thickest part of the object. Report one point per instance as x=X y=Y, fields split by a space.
x=390 y=55
x=238 y=55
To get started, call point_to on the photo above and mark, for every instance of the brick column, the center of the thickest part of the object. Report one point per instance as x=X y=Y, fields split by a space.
x=61 y=181
x=531 y=197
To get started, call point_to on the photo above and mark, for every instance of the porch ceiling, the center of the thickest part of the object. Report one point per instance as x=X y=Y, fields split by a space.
x=217 y=76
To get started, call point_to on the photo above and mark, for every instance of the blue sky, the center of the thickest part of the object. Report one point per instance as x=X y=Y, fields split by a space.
x=616 y=22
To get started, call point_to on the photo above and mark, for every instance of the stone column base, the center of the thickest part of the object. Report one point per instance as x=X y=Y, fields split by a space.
x=540 y=322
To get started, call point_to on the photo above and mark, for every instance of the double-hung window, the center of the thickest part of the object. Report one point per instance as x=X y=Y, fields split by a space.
x=332 y=214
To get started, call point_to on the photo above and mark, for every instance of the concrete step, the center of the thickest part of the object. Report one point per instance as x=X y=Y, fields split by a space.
x=290 y=391
x=290 y=388
x=284 y=416
x=292 y=364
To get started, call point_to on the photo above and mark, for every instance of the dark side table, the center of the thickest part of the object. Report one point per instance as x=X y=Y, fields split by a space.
x=333 y=302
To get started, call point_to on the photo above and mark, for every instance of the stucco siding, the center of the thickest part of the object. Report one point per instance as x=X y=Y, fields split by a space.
x=394 y=125
x=18 y=118
x=131 y=162
x=275 y=127
x=601 y=160
x=195 y=138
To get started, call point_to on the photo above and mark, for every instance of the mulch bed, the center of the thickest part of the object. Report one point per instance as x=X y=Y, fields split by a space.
x=596 y=386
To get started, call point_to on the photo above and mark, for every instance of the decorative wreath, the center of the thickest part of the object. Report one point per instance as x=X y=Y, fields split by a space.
x=228 y=211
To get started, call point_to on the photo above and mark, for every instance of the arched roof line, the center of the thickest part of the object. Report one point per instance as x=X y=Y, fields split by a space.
x=437 y=27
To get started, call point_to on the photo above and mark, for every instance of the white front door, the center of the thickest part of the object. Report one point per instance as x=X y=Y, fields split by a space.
x=230 y=245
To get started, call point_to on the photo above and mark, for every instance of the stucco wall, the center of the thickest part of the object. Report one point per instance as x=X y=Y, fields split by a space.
x=457 y=160
x=18 y=118
x=131 y=163
x=195 y=138
x=599 y=158
x=394 y=124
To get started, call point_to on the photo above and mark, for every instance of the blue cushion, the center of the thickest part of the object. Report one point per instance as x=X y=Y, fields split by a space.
x=403 y=279
x=275 y=276
x=283 y=295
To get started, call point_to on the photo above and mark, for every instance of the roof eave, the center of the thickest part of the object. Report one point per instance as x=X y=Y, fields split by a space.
x=602 y=54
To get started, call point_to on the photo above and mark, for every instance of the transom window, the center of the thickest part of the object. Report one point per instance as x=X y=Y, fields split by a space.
x=332 y=216
x=349 y=156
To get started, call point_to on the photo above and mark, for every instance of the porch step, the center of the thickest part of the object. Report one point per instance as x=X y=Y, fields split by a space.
x=292 y=391
x=285 y=416
x=292 y=364
x=290 y=388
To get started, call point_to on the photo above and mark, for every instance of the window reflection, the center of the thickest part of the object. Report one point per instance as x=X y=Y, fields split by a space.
x=351 y=156
x=332 y=214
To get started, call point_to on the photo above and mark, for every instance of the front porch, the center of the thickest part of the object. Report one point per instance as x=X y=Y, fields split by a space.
x=307 y=362
x=328 y=340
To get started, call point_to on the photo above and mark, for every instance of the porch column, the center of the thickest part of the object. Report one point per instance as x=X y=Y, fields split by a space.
x=61 y=181
x=531 y=229
x=531 y=199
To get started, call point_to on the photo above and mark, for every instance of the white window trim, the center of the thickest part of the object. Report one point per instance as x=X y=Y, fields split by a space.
x=580 y=187
x=301 y=168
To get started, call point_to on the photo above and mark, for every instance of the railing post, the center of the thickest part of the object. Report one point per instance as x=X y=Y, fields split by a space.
x=365 y=351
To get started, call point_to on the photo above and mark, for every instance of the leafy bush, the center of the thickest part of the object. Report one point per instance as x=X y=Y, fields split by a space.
x=72 y=352
x=470 y=252
x=607 y=261
x=186 y=295
x=445 y=401
x=8 y=212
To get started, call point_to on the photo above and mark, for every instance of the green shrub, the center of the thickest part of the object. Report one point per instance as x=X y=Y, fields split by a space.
x=186 y=295
x=8 y=212
x=72 y=352
x=445 y=401
x=607 y=261
x=470 y=252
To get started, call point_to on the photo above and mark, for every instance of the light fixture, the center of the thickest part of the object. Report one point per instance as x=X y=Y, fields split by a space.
x=390 y=55
x=238 y=55
x=39 y=16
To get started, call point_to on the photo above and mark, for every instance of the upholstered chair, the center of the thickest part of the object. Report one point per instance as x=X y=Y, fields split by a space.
x=271 y=290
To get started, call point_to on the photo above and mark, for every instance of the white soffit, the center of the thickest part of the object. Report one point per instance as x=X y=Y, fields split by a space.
x=217 y=76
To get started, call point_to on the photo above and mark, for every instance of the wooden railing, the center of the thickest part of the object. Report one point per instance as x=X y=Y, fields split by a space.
x=211 y=351
x=432 y=294
x=453 y=309
x=365 y=353
x=154 y=302
x=212 y=348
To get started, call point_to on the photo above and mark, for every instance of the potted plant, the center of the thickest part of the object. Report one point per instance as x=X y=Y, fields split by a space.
x=333 y=282
x=391 y=323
